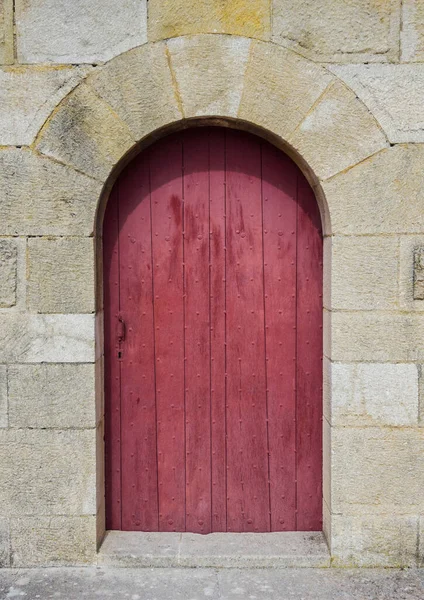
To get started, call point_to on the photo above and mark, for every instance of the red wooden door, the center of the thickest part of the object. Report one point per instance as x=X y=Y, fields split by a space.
x=213 y=339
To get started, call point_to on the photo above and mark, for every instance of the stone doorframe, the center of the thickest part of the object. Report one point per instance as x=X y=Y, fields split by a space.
x=161 y=87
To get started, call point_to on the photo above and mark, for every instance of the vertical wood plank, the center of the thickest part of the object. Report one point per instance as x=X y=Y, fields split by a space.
x=217 y=333
x=247 y=444
x=167 y=249
x=138 y=404
x=197 y=347
x=112 y=377
x=279 y=188
x=309 y=361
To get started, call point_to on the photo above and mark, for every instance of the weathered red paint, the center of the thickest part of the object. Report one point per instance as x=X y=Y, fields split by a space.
x=213 y=262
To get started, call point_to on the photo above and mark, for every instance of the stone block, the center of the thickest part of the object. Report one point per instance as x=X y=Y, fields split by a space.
x=377 y=470
x=8 y=272
x=412 y=31
x=326 y=453
x=418 y=273
x=4 y=543
x=140 y=549
x=24 y=113
x=100 y=464
x=86 y=134
x=420 y=395
x=243 y=550
x=364 y=273
x=60 y=275
x=171 y=18
x=51 y=395
x=99 y=387
x=337 y=133
x=376 y=337
x=81 y=31
x=411 y=273
x=334 y=31
x=327 y=252
x=370 y=394
x=21 y=274
x=3 y=31
x=209 y=72
x=279 y=82
x=374 y=541
x=139 y=88
x=101 y=522
x=326 y=523
x=220 y=550
x=6 y=32
x=47 y=472
x=3 y=397
x=30 y=338
x=383 y=194
x=382 y=89
x=327 y=387
x=53 y=541
x=41 y=197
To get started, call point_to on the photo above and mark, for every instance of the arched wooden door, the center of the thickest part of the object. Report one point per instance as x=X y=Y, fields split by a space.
x=213 y=339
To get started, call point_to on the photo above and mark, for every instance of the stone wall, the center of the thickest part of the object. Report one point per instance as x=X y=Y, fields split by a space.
x=339 y=85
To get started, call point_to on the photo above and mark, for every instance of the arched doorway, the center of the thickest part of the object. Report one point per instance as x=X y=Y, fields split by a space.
x=213 y=339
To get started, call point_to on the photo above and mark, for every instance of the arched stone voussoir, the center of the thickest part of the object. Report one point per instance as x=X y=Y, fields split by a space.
x=280 y=87
x=85 y=134
x=337 y=133
x=140 y=88
x=305 y=105
x=209 y=73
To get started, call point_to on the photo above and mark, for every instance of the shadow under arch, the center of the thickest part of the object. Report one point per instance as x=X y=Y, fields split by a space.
x=213 y=121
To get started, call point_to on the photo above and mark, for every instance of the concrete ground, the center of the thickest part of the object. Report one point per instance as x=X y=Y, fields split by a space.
x=94 y=583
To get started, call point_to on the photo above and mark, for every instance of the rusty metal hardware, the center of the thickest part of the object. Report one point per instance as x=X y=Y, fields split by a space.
x=120 y=330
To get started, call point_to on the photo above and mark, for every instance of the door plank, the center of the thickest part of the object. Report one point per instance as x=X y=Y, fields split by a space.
x=138 y=412
x=309 y=361
x=279 y=188
x=217 y=333
x=112 y=374
x=197 y=330
x=247 y=444
x=167 y=250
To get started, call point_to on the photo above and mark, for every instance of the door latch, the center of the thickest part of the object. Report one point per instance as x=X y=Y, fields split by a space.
x=120 y=330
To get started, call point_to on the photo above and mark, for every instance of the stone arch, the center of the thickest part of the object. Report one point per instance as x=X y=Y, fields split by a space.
x=156 y=88
x=295 y=103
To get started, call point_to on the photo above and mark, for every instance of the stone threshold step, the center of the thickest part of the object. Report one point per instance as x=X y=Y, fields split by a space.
x=217 y=550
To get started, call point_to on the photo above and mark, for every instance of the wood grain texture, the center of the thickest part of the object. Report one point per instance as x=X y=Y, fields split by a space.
x=279 y=190
x=138 y=402
x=112 y=379
x=197 y=342
x=218 y=328
x=247 y=445
x=167 y=248
x=309 y=361
x=213 y=258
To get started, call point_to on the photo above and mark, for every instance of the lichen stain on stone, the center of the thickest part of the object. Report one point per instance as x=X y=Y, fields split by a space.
x=86 y=133
x=244 y=16
x=29 y=69
x=251 y=18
